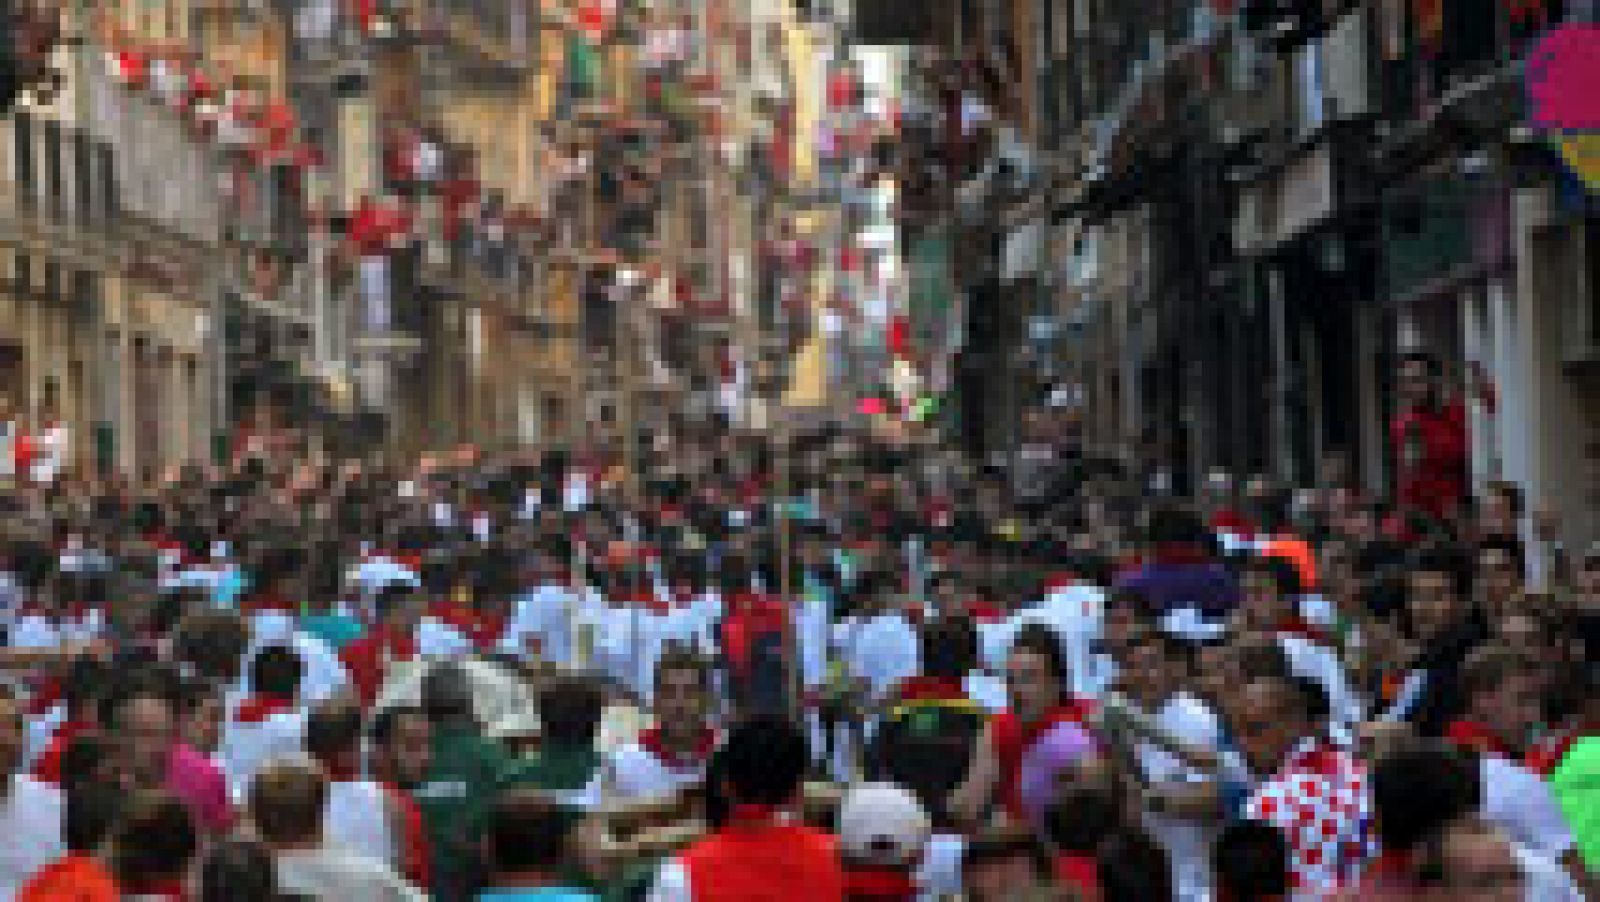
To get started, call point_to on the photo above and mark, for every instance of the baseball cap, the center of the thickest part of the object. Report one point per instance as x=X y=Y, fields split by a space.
x=882 y=824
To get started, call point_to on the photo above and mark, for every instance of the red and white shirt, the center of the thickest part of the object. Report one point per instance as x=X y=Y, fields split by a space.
x=647 y=770
x=1321 y=802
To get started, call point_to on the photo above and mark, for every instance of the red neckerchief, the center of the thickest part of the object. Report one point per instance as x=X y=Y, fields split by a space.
x=1231 y=521
x=1178 y=554
x=47 y=696
x=684 y=595
x=877 y=884
x=984 y=611
x=930 y=689
x=457 y=616
x=1474 y=737
x=1297 y=626
x=257 y=708
x=1314 y=756
x=1058 y=581
x=746 y=816
x=1079 y=872
x=269 y=601
x=487 y=628
x=1548 y=753
x=651 y=741
x=648 y=601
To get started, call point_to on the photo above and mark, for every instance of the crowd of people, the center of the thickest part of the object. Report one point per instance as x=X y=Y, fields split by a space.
x=872 y=673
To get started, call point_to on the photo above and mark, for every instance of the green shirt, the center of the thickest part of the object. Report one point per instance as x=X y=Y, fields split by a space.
x=455 y=799
x=561 y=769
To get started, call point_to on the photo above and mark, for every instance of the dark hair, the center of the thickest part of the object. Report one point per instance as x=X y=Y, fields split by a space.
x=1446 y=559
x=213 y=642
x=276 y=670
x=84 y=759
x=570 y=710
x=238 y=870
x=677 y=658
x=447 y=693
x=387 y=723
x=1418 y=788
x=763 y=762
x=1260 y=659
x=1082 y=816
x=86 y=682
x=92 y=811
x=949 y=647
x=1174 y=525
x=155 y=840
x=528 y=834
x=333 y=728
x=1039 y=639
x=1250 y=861
x=1313 y=698
x=141 y=684
x=1133 y=868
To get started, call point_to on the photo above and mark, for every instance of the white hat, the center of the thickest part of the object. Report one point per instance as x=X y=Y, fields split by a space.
x=882 y=824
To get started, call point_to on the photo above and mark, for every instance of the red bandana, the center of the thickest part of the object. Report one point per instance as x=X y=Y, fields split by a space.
x=1080 y=873
x=257 y=708
x=879 y=885
x=651 y=741
x=1474 y=737
x=927 y=688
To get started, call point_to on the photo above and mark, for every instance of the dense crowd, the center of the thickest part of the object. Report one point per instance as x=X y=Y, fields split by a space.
x=870 y=673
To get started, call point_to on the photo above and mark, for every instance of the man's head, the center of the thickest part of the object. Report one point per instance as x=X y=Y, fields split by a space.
x=1157 y=664
x=1036 y=672
x=1502 y=691
x=528 y=836
x=1501 y=512
x=400 y=608
x=682 y=692
x=949 y=647
x=402 y=744
x=1250 y=860
x=155 y=840
x=286 y=803
x=143 y=718
x=1417 y=382
x=570 y=710
x=1417 y=788
x=333 y=736
x=1470 y=859
x=1268 y=585
x=1436 y=590
x=1499 y=572
x=200 y=713
x=1004 y=866
x=92 y=812
x=762 y=763
x=276 y=672
x=1271 y=719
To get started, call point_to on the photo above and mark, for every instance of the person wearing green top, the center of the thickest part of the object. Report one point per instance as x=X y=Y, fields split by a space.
x=460 y=785
x=566 y=763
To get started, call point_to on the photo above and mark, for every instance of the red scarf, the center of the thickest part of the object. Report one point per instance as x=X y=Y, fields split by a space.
x=1079 y=872
x=1472 y=736
x=1058 y=581
x=1175 y=554
x=651 y=741
x=1548 y=753
x=1297 y=626
x=166 y=888
x=985 y=611
x=877 y=884
x=257 y=708
x=931 y=689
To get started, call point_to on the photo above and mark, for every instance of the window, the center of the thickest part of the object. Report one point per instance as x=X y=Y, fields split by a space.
x=22 y=157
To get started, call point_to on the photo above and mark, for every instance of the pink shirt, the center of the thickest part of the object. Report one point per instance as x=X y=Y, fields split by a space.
x=199 y=784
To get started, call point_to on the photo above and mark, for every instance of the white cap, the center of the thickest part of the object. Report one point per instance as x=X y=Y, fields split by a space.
x=882 y=824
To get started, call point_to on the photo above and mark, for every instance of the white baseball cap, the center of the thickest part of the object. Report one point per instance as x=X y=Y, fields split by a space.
x=883 y=824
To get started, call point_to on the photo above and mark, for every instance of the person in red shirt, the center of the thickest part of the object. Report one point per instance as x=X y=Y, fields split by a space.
x=392 y=639
x=1429 y=437
x=758 y=849
x=91 y=813
x=1036 y=675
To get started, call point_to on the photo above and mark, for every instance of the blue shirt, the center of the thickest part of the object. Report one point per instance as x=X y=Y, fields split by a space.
x=540 y=893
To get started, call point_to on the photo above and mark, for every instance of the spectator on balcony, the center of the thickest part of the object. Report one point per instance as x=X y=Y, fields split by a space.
x=1429 y=433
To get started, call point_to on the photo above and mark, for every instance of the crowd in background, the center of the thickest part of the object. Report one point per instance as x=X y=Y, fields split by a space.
x=870 y=671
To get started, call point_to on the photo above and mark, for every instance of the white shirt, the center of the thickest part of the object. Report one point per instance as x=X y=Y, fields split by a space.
x=330 y=873
x=356 y=819
x=634 y=772
x=1318 y=663
x=882 y=650
x=30 y=821
x=1187 y=841
x=1517 y=801
x=248 y=747
x=1546 y=880
x=543 y=616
